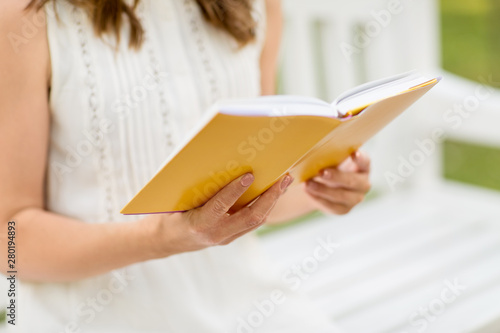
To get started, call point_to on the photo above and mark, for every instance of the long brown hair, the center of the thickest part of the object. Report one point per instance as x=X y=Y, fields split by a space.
x=233 y=16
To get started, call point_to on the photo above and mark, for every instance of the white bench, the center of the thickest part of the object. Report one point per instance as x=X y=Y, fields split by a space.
x=393 y=257
x=397 y=250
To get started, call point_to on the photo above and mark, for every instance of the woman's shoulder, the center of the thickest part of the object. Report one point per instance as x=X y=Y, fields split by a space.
x=14 y=14
x=24 y=45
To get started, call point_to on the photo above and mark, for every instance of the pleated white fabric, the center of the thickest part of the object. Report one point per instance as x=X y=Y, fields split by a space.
x=116 y=115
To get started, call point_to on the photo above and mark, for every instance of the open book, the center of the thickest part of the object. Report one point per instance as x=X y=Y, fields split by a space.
x=272 y=136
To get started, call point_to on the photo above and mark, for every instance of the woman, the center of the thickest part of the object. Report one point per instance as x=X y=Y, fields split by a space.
x=94 y=94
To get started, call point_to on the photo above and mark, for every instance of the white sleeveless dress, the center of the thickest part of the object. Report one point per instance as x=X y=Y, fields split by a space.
x=116 y=114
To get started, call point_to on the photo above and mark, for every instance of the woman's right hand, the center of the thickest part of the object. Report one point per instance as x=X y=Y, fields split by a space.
x=211 y=224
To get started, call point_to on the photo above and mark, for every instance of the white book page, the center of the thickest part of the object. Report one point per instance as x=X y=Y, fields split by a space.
x=377 y=90
x=279 y=105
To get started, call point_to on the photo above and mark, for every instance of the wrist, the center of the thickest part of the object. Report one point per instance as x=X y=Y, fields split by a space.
x=149 y=231
x=159 y=235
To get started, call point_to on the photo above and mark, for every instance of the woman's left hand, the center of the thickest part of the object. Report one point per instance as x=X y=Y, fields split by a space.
x=338 y=189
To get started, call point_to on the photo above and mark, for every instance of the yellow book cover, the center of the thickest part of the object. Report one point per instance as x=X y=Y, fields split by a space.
x=272 y=136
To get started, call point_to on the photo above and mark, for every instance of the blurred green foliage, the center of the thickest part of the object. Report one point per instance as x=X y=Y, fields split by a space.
x=470 y=37
x=471 y=163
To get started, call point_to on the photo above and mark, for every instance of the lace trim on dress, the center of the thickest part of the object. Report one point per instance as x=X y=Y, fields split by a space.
x=200 y=44
x=93 y=107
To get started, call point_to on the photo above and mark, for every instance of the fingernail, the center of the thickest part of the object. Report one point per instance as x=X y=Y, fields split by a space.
x=327 y=174
x=286 y=182
x=247 y=180
x=357 y=154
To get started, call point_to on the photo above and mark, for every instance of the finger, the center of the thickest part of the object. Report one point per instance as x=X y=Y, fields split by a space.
x=348 y=165
x=362 y=160
x=331 y=207
x=334 y=195
x=256 y=214
x=332 y=177
x=220 y=203
x=238 y=235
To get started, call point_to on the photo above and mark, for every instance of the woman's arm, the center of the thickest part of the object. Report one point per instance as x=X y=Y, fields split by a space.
x=272 y=43
x=52 y=247
x=346 y=185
